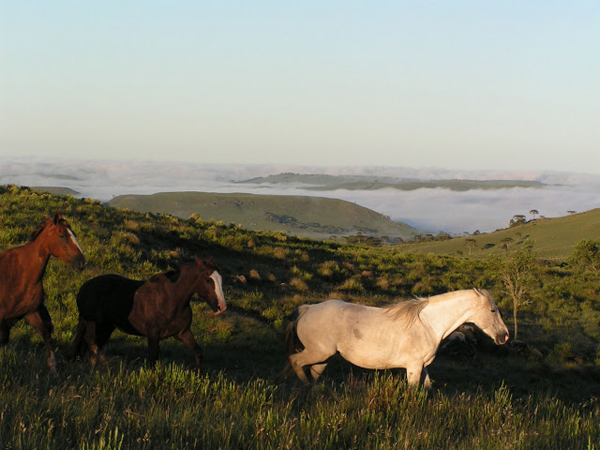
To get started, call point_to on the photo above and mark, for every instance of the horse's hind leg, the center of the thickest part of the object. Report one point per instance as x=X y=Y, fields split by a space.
x=187 y=338
x=316 y=370
x=103 y=333
x=316 y=361
x=96 y=335
x=43 y=325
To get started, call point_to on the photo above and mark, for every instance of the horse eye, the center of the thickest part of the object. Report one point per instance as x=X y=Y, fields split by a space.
x=493 y=310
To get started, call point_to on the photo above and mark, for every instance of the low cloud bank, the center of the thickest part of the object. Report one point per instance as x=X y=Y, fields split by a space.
x=432 y=210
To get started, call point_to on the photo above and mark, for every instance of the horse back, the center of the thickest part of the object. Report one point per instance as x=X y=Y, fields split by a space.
x=107 y=298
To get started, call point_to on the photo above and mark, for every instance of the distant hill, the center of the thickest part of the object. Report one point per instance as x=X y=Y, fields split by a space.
x=553 y=238
x=313 y=217
x=366 y=182
x=54 y=190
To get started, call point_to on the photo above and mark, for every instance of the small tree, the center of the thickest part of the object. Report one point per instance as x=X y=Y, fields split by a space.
x=517 y=274
x=506 y=242
x=517 y=219
x=470 y=243
x=534 y=213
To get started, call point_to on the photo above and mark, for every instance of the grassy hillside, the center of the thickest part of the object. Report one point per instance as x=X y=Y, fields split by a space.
x=541 y=393
x=453 y=185
x=553 y=238
x=56 y=190
x=297 y=215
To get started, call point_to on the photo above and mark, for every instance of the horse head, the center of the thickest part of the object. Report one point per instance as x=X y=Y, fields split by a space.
x=488 y=318
x=61 y=241
x=210 y=285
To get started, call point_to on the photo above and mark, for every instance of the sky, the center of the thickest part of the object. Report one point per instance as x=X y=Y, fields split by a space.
x=474 y=85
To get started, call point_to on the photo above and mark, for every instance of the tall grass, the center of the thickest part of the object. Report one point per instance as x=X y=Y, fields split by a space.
x=172 y=407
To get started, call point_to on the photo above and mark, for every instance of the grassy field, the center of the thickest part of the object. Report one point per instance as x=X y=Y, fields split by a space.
x=543 y=397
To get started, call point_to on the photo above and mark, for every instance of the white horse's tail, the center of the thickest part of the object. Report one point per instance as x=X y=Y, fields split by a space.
x=293 y=344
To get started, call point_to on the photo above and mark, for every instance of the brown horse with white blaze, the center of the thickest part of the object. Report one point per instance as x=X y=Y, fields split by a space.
x=21 y=272
x=158 y=308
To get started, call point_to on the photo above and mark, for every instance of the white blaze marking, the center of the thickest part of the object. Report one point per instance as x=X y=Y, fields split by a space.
x=219 y=290
x=74 y=239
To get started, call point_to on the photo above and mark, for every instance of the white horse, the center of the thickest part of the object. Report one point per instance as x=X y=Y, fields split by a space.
x=403 y=335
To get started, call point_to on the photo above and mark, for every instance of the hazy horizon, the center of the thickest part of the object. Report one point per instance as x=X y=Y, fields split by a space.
x=430 y=210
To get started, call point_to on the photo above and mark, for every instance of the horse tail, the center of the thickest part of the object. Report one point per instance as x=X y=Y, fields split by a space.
x=293 y=344
x=79 y=344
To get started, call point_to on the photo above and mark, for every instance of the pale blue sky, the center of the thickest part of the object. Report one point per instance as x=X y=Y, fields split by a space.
x=504 y=84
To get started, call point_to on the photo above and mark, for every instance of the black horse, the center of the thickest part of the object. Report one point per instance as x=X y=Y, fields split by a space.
x=157 y=308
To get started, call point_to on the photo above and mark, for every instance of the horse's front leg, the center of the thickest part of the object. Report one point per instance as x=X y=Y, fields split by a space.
x=41 y=322
x=425 y=380
x=153 y=349
x=187 y=338
x=417 y=374
x=4 y=333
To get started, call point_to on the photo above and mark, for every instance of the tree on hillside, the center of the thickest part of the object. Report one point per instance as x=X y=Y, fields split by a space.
x=506 y=242
x=470 y=243
x=518 y=219
x=534 y=213
x=517 y=274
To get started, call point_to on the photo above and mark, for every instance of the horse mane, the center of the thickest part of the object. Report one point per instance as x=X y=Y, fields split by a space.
x=210 y=264
x=41 y=227
x=486 y=294
x=174 y=275
x=171 y=275
x=408 y=310
x=46 y=223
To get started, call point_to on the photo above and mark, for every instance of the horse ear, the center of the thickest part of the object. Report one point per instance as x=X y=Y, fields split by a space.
x=199 y=261
x=57 y=218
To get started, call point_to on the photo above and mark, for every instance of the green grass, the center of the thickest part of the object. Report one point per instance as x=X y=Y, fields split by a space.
x=544 y=399
x=554 y=238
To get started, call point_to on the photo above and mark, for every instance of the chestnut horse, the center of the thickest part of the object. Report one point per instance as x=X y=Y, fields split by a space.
x=158 y=308
x=21 y=272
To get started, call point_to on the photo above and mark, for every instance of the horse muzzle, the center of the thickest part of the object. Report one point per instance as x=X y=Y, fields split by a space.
x=78 y=263
x=220 y=310
x=501 y=338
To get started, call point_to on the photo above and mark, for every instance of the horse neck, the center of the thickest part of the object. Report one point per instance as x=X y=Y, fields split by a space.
x=445 y=313
x=36 y=257
x=185 y=286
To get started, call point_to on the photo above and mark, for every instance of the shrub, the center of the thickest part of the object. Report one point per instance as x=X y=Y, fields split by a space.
x=299 y=284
